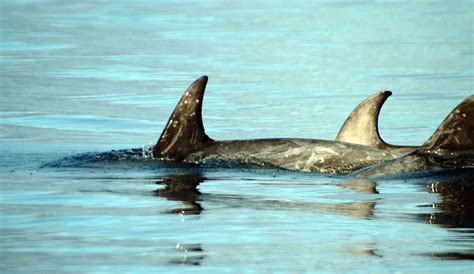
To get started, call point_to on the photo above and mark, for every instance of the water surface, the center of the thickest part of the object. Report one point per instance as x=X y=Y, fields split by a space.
x=91 y=76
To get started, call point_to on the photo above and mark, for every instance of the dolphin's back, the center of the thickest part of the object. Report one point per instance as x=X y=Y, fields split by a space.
x=294 y=154
x=358 y=144
x=456 y=132
x=450 y=146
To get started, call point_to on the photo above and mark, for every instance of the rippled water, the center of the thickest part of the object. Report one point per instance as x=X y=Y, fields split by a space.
x=92 y=76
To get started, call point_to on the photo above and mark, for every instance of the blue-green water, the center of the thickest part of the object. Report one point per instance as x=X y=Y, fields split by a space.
x=100 y=75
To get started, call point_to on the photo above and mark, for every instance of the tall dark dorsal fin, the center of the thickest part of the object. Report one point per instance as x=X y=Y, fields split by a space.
x=361 y=127
x=184 y=132
x=456 y=132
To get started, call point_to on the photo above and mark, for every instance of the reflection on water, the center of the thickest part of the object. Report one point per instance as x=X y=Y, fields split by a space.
x=189 y=257
x=361 y=221
x=183 y=188
x=454 y=208
x=366 y=186
x=365 y=249
x=456 y=205
x=93 y=76
x=455 y=211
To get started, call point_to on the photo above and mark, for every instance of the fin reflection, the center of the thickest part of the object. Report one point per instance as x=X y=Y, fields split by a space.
x=183 y=188
x=455 y=212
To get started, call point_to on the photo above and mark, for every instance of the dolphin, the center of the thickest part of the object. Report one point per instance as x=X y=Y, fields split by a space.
x=361 y=126
x=450 y=147
x=184 y=140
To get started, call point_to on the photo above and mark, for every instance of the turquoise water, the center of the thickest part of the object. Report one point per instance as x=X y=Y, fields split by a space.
x=94 y=76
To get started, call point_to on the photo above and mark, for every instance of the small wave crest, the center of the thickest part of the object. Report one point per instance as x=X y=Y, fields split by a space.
x=84 y=159
x=143 y=158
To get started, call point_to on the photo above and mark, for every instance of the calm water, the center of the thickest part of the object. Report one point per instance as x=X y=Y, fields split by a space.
x=95 y=76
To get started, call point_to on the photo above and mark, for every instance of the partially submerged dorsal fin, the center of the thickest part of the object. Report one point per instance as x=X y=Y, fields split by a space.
x=456 y=132
x=361 y=127
x=184 y=132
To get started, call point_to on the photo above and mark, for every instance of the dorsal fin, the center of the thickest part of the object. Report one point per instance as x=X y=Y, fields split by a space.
x=456 y=132
x=361 y=127
x=184 y=132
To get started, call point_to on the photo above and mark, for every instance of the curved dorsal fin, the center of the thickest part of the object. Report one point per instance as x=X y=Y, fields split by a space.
x=184 y=132
x=456 y=132
x=361 y=127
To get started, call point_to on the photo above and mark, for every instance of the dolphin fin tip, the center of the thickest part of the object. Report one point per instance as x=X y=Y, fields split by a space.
x=456 y=132
x=184 y=132
x=361 y=127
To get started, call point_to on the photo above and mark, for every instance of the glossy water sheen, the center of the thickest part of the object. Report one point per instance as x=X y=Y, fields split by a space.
x=100 y=75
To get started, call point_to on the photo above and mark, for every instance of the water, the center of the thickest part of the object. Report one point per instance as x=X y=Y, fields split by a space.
x=94 y=76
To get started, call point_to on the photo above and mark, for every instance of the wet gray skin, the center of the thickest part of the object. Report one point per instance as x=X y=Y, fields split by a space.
x=184 y=139
x=294 y=154
x=358 y=143
x=362 y=125
x=418 y=162
x=450 y=147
